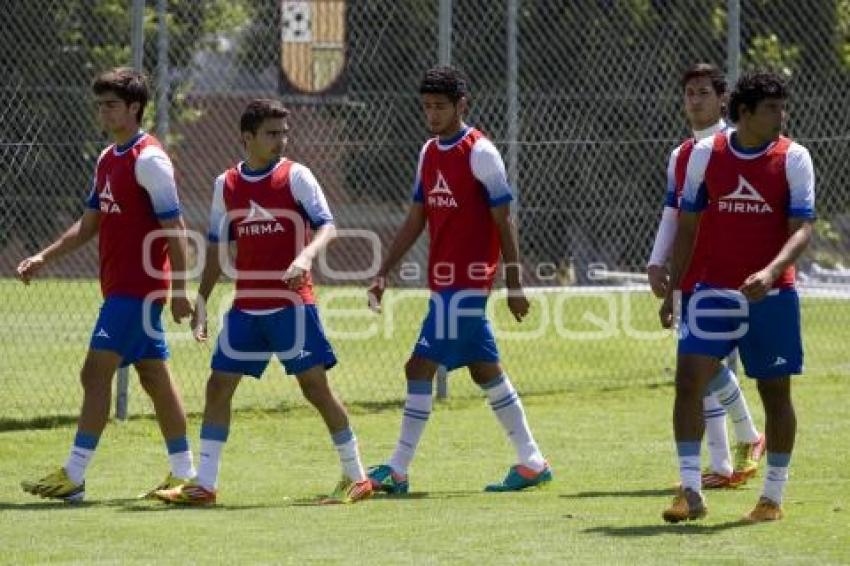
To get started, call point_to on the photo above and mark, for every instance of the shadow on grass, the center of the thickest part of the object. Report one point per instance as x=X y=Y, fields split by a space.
x=665 y=529
x=156 y=507
x=133 y=505
x=619 y=493
x=413 y=496
x=56 y=504
x=10 y=425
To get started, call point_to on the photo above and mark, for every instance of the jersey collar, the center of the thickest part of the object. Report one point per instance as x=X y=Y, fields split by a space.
x=710 y=131
x=453 y=141
x=253 y=176
x=122 y=149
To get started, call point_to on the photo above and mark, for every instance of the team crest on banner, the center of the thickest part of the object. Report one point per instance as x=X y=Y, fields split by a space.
x=313 y=50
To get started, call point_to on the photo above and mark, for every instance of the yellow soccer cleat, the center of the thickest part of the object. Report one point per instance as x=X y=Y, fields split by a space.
x=747 y=457
x=171 y=481
x=350 y=491
x=765 y=510
x=688 y=505
x=187 y=493
x=56 y=486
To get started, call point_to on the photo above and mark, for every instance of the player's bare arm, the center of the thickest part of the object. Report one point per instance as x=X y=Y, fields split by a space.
x=404 y=239
x=209 y=278
x=181 y=307
x=683 y=247
x=757 y=285
x=297 y=271
x=517 y=302
x=78 y=234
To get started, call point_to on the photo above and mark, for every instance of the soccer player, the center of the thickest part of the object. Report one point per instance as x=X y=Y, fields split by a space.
x=133 y=195
x=264 y=204
x=705 y=96
x=756 y=190
x=462 y=194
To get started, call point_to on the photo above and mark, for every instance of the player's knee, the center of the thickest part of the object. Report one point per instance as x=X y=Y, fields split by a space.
x=482 y=373
x=419 y=368
x=317 y=392
x=220 y=390
x=690 y=388
x=775 y=394
x=93 y=381
x=152 y=382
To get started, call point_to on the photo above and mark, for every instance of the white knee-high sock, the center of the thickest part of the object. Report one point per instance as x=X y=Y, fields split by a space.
x=506 y=404
x=715 y=435
x=725 y=385
x=213 y=438
x=417 y=410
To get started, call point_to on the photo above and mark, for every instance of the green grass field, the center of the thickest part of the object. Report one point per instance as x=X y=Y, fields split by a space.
x=600 y=409
x=570 y=342
x=612 y=453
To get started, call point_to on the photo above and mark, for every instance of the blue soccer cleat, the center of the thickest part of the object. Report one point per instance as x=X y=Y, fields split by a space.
x=384 y=479
x=521 y=477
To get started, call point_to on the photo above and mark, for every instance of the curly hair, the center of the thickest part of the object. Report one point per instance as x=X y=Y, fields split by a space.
x=754 y=87
x=445 y=80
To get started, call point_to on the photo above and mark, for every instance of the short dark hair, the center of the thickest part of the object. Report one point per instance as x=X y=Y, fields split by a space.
x=127 y=84
x=445 y=80
x=754 y=87
x=709 y=71
x=258 y=110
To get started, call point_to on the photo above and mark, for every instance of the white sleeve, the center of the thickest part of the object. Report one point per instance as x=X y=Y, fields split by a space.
x=155 y=173
x=418 y=189
x=671 y=197
x=218 y=213
x=801 y=182
x=488 y=167
x=694 y=193
x=308 y=193
x=665 y=236
x=93 y=200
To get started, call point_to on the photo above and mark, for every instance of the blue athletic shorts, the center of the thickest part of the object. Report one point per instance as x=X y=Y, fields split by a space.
x=294 y=334
x=132 y=328
x=766 y=333
x=456 y=331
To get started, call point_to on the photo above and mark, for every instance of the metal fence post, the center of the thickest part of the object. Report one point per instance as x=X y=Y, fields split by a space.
x=162 y=71
x=122 y=385
x=733 y=69
x=733 y=40
x=513 y=98
x=445 y=56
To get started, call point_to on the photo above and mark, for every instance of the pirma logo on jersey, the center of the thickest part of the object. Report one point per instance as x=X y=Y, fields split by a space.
x=107 y=201
x=440 y=194
x=259 y=221
x=744 y=199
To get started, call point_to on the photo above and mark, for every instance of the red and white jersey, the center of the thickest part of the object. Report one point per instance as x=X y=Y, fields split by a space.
x=458 y=181
x=747 y=197
x=269 y=214
x=677 y=166
x=133 y=190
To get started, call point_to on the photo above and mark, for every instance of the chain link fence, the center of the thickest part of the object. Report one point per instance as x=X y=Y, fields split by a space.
x=582 y=98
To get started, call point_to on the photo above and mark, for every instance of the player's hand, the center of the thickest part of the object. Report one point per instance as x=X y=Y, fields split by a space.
x=199 y=321
x=659 y=280
x=29 y=267
x=375 y=293
x=517 y=303
x=757 y=285
x=296 y=274
x=181 y=306
x=666 y=313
